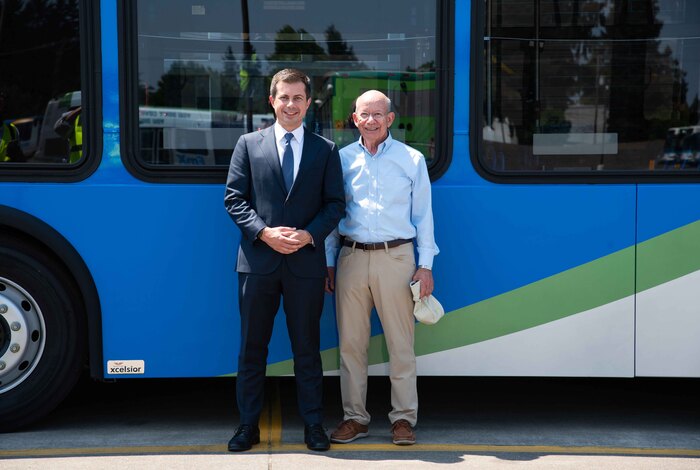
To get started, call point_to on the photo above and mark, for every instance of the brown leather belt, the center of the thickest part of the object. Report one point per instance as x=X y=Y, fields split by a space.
x=375 y=246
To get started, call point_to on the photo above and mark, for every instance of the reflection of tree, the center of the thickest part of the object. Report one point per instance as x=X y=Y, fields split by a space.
x=191 y=85
x=694 y=111
x=230 y=88
x=338 y=49
x=177 y=86
x=602 y=55
x=239 y=85
x=667 y=95
x=236 y=81
x=643 y=85
x=40 y=50
x=291 y=45
x=231 y=66
x=299 y=49
x=629 y=61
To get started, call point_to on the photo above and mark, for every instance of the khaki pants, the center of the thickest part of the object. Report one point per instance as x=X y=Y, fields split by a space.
x=377 y=278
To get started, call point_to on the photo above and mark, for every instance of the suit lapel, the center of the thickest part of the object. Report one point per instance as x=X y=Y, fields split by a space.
x=268 y=146
x=308 y=154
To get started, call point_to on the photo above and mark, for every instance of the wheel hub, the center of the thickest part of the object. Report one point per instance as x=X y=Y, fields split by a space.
x=22 y=336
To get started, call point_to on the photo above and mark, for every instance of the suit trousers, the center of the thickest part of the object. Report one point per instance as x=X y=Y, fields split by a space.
x=259 y=300
x=378 y=278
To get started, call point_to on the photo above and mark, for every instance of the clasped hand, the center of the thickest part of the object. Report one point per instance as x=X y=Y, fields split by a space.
x=285 y=240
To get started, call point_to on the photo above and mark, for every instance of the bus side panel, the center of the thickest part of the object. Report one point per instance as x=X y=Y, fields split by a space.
x=668 y=275
x=163 y=261
x=538 y=280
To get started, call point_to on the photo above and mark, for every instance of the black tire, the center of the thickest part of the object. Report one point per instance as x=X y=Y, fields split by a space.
x=44 y=324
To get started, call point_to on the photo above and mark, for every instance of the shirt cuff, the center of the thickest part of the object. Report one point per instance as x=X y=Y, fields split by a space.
x=425 y=259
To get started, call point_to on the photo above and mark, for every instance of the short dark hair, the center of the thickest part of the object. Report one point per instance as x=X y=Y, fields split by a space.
x=290 y=76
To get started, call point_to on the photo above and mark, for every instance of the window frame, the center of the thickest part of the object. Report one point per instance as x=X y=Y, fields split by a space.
x=476 y=118
x=91 y=114
x=129 y=106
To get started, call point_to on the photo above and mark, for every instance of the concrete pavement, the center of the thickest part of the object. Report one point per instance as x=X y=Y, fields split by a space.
x=464 y=423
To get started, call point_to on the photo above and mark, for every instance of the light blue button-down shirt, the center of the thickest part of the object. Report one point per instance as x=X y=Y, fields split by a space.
x=387 y=197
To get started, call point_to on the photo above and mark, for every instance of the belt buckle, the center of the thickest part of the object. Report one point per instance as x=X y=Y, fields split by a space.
x=365 y=247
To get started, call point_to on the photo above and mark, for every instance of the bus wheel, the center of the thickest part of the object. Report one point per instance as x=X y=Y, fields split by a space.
x=42 y=334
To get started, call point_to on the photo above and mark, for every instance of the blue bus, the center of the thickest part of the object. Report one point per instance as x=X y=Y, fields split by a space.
x=568 y=247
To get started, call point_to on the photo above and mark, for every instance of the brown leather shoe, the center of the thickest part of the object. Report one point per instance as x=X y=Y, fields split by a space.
x=348 y=431
x=402 y=433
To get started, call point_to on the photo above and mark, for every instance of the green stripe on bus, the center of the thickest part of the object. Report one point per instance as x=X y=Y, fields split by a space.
x=669 y=256
x=573 y=291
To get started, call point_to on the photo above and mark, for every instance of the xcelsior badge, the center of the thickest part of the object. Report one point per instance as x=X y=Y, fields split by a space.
x=126 y=367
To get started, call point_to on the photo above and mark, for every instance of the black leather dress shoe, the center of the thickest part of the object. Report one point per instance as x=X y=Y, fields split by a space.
x=315 y=437
x=246 y=436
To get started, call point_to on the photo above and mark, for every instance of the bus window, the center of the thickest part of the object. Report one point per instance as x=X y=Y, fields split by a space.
x=592 y=86
x=204 y=71
x=40 y=97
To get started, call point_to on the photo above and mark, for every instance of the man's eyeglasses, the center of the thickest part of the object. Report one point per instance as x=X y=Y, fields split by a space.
x=375 y=116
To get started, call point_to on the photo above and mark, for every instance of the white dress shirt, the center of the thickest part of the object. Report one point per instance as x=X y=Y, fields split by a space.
x=297 y=144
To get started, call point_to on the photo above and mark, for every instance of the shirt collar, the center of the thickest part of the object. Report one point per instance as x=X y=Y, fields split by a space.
x=281 y=131
x=381 y=148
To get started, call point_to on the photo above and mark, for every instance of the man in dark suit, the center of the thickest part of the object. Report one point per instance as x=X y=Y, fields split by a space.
x=285 y=193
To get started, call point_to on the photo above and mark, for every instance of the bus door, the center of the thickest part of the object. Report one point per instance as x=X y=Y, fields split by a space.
x=668 y=276
x=554 y=272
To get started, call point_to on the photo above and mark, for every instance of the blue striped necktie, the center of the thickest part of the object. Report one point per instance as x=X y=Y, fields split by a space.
x=288 y=162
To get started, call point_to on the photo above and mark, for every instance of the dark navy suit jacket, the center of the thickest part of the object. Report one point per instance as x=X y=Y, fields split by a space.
x=256 y=198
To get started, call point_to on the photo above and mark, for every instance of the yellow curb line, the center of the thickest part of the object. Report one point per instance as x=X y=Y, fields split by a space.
x=278 y=448
x=275 y=405
x=97 y=451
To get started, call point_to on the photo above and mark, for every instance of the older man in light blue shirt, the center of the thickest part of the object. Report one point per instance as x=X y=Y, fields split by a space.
x=388 y=206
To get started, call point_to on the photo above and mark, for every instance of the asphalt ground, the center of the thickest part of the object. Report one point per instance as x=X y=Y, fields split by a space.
x=463 y=422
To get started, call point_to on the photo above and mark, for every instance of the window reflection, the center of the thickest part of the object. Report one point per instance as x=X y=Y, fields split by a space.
x=40 y=99
x=591 y=85
x=204 y=70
